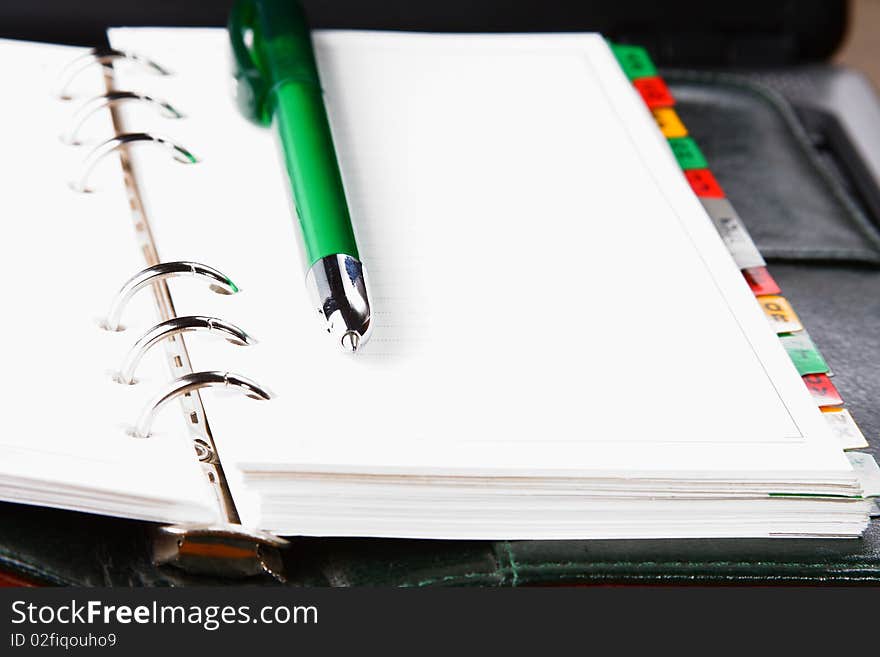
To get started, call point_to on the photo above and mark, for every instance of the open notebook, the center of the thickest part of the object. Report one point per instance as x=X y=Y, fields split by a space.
x=563 y=347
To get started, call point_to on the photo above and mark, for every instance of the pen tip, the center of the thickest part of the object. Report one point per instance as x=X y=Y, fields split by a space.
x=350 y=341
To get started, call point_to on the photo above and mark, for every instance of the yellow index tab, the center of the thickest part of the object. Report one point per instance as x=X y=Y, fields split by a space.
x=780 y=313
x=669 y=123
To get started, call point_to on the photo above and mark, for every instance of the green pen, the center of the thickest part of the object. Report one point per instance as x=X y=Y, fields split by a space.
x=277 y=83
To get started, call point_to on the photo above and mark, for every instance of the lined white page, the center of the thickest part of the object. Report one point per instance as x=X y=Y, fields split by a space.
x=63 y=255
x=550 y=296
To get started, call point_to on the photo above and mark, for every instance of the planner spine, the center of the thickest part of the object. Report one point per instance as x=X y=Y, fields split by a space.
x=227 y=548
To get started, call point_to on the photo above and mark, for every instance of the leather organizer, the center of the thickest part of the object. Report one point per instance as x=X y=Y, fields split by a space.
x=824 y=251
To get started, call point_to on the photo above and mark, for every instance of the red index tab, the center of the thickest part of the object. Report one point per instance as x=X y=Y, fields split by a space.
x=703 y=183
x=760 y=280
x=822 y=389
x=654 y=92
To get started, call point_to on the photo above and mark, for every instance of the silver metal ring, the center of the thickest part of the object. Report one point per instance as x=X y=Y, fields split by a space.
x=195 y=381
x=88 y=108
x=100 y=151
x=175 y=326
x=105 y=57
x=219 y=283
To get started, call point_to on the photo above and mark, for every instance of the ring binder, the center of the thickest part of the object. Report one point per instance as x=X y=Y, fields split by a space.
x=100 y=151
x=105 y=57
x=88 y=108
x=174 y=326
x=195 y=381
x=226 y=547
x=219 y=283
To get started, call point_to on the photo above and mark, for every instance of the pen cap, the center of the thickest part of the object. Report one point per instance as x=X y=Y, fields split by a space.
x=271 y=45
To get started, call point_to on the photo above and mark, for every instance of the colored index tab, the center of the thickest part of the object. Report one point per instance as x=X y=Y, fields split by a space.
x=803 y=353
x=687 y=153
x=669 y=123
x=654 y=92
x=733 y=232
x=760 y=280
x=780 y=313
x=634 y=60
x=822 y=390
x=703 y=183
x=844 y=427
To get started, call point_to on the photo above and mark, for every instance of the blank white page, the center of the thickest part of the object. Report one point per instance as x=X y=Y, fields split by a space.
x=549 y=295
x=63 y=255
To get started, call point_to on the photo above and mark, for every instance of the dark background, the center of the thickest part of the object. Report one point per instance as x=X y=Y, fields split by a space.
x=707 y=33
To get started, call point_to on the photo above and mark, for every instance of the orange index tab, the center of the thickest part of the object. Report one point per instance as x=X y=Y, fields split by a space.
x=654 y=92
x=780 y=313
x=822 y=389
x=669 y=123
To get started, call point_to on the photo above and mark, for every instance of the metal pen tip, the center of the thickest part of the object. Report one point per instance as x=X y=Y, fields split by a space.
x=350 y=341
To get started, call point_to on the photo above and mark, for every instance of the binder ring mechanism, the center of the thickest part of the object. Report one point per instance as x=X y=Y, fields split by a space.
x=189 y=383
x=102 y=150
x=226 y=548
x=175 y=326
x=90 y=107
x=105 y=57
x=217 y=281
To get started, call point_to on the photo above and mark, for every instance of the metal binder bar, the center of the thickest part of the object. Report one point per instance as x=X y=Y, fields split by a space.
x=244 y=552
x=90 y=107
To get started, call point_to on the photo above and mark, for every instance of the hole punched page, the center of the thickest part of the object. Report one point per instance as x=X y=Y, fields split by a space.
x=63 y=257
x=536 y=262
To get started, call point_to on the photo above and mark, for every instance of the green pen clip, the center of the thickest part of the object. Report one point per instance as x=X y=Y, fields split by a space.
x=284 y=54
x=250 y=88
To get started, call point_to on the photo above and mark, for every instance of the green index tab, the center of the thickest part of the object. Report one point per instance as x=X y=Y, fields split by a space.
x=687 y=153
x=634 y=61
x=803 y=353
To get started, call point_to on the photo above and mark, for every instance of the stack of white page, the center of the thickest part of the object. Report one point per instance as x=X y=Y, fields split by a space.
x=563 y=347
x=64 y=440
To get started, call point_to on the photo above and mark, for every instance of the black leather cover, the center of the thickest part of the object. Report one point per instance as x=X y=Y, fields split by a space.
x=824 y=252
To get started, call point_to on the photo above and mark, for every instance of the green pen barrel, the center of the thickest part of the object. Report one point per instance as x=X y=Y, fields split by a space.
x=311 y=164
x=278 y=83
